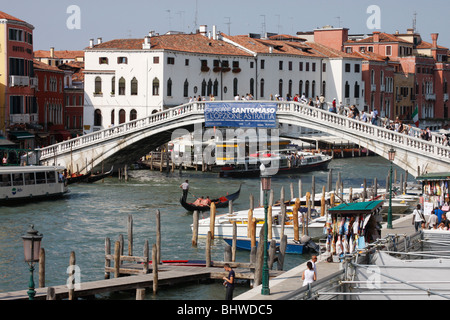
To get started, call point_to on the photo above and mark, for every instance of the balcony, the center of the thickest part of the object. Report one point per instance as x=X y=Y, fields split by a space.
x=34 y=82
x=24 y=118
x=19 y=81
x=430 y=96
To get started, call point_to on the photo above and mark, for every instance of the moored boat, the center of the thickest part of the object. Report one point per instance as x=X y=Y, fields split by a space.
x=221 y=202
x=31 y=183
x=96 y=177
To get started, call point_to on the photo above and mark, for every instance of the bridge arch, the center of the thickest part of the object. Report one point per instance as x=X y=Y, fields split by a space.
x=131 y=140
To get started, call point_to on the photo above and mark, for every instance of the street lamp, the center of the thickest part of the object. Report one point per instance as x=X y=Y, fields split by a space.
x=265 y=186
x=31 y=248
x=391 y=154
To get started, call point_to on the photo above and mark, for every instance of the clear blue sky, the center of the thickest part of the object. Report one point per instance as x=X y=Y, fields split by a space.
x=113 y=19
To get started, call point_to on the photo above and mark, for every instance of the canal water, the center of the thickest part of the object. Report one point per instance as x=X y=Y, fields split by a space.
x=82 y=220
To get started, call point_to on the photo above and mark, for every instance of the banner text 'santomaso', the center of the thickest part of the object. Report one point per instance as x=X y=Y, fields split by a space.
x=241 y=115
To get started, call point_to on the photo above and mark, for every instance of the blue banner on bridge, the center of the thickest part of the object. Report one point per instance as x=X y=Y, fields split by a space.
x=241 y=114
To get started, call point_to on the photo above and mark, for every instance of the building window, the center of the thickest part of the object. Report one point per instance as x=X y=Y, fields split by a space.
x=313 y=67
x=170 y=60
x=133 y=115
x=324 y=67
x=252 y=86
x=98 y=118
x=388 y=50
x=155 y=60
x=113 y=85
x=155 y=88
x=186 y=62
x=263 y=64
x=348 y=67
x=324 y=88
x=169 y=87
x=134 y=87
x=122 y=117
x=356 y=89
x=280 y=65
x=216 y=88
x=122 y=60
x=98 y=85
x=307 y=66
x=357 y=68
x=347 y=90
x=121 y=86
x=112 y=117
x=300 y=87
x=290 y=65
x=103 y=60
x=280 y=87
x=300 y=66
x=235 y=87
x=262 y=88
x=313 y=89
x=186 y=89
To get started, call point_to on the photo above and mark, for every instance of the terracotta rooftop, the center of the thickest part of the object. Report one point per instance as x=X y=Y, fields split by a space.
x=370 y=56
x=384 y=37
x=6 y=16
x=60 y=54
x=37 y=65
x=195 y=43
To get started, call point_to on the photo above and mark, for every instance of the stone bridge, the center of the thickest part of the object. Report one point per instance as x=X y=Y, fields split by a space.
x=124 y=143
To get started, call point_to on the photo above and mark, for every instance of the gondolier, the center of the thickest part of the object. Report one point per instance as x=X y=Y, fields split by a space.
x=185 y=187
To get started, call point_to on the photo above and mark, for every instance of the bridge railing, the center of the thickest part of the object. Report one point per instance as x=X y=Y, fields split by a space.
x=121 y=129
x=413 y=143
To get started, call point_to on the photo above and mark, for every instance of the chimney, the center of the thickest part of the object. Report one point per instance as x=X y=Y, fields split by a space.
x=99 y=40
x=376 y=36
x=52 y=52
x=214 y=33
x=434 y=37
x=146 y=44
x=91 y=43
x=202 y=30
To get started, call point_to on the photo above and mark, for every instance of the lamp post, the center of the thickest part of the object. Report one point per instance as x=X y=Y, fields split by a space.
x=391 y=154
x=31 y=248
x=265 y=186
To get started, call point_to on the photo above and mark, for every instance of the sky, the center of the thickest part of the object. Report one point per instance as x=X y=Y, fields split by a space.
x=69 y=24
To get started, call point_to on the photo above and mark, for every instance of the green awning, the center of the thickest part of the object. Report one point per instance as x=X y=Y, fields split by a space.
x=21 y=135
x=357 y=207
x=434 y=176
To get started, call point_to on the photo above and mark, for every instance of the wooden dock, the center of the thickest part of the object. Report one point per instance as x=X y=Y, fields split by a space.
x=167 y=275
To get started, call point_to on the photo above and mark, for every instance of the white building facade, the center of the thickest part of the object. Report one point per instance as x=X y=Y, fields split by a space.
x=127 y=79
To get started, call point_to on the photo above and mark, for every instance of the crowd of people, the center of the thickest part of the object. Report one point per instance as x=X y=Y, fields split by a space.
x=438 y=219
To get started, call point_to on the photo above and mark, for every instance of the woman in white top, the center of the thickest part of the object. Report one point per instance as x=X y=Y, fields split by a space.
x=308 y=276
x=418 y=218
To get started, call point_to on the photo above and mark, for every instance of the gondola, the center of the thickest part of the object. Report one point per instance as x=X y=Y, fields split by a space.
x=79 y=178
x=221 y=202
x=97 y=177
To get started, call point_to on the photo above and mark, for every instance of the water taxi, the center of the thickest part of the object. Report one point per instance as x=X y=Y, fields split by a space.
x=31 y=183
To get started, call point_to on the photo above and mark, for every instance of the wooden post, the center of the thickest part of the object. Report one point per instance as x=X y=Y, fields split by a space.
x=140 y=294
x=117 y=259
x=234 y=245
x=350 y=195
x=51 y=293
x=155 y=255
x=322 y=202
x=259 y=259
x=107 y=252
x=272 y=253
x=292 y=190
x=130 y=235
x=249 y=223
x=212 y=219
x=230 y=207
x=283 y=218
x=295 y=219
x=364 y=190
x=375 y=188
x=208 y=249
x=271 y=198
x=146 y=257
x=253 y=234
x=151 y=160
x=42 y=268
x=282 y=253
x=161 y=161
x=313 y=191
x=300 y=189
x=195 y=229
x=330 y=179
x=72 y=272
x=158 y=236
x=227 y=253
x=332 y=199
x=307 y=216
x=121 y=241
x=252 y=202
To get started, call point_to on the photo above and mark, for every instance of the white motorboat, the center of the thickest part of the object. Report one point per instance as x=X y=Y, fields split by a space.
x=31 y=183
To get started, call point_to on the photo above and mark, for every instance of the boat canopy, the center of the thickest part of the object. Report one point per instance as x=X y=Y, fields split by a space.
x=435 y=176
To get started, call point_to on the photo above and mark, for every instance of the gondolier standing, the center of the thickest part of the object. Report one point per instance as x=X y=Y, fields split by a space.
x=185 y=187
